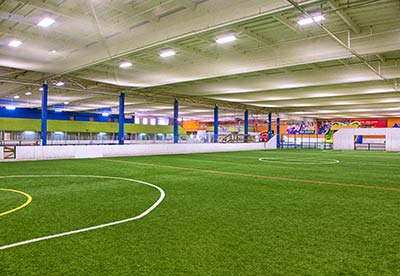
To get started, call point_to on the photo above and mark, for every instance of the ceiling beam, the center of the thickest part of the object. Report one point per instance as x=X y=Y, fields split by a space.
x=42 y=38
x=55 y=9
x=287 y=23
x=132 y=11
x=158 y=41
x=344 y=16
x=260 y=38
x=381 y=57
x=338 y=40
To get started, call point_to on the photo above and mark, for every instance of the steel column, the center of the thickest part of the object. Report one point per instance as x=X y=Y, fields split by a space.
x=269 y=126
x=176 y=122
x=216 y=124
x=121 y=119
x=43 y=128
x=278 y=132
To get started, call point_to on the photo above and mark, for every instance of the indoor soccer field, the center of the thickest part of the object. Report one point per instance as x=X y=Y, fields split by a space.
x=282 y=212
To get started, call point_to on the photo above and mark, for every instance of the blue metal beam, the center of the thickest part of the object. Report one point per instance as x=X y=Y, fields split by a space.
x=246 y=122
x=176 y=122
x=216 y=124
x=278 y=132
x=44 y=114
x=121 y=119
x=246 y=125
x=269 y=126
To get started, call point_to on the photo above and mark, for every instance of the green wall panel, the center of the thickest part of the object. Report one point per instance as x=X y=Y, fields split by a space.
x=13 y=124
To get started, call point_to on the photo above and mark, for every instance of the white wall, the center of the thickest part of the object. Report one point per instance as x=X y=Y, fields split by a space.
x=343 y=139
x=96 y=151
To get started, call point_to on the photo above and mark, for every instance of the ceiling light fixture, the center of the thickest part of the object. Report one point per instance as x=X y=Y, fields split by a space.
x=226 y=39
x=60 y=83
x=125 y=64
x=309 y=20
x=66 y=102
x=15 y=43
x=28 y=93
x=16 y=97
x=46 y=22
x=167 y=53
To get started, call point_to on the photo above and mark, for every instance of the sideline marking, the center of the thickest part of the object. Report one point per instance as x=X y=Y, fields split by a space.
x=305 y=161
x=146 y=212
x=26 y=203
x=255 y=175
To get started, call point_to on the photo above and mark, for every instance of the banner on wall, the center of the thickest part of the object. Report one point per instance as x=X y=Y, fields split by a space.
x=325 y=126
x=394 y=122
x=300 y=127
x=372 y=123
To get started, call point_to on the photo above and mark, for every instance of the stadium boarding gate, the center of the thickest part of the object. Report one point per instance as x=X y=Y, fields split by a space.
x=305 y=141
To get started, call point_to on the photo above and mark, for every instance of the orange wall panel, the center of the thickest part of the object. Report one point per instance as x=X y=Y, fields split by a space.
x=192 y=125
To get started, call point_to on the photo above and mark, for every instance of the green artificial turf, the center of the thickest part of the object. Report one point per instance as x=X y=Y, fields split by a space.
x=223 y=214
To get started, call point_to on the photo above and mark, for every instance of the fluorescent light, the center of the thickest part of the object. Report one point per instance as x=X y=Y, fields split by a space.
x=66 y=102
x=16 y=97
x=54 y=51
x=28 y=93
x=167 y=53
x=60 y=83
x=342 y=103
x=305 y=21
x=105 y=114
x=14 y=43
x=41 y=89
x=318 y=18
x=125 y=64
x=10 y=107
x=226 y=39
x=309 y=20
x=46 y=22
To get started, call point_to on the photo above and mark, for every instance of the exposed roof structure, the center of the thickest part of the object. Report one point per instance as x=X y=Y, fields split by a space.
x=345 y=64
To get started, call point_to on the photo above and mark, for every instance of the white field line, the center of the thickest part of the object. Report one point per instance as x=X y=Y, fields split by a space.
x=347 y=161
x=281 y=160
x=303 y=161
x=146 y=212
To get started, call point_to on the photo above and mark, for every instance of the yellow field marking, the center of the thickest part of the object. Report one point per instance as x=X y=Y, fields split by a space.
x=26 y=203
x=255 y=175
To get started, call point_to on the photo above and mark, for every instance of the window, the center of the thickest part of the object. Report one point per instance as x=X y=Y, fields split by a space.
x=137 y=120
x=153 y=121
x=163 y=121
x=145 y=121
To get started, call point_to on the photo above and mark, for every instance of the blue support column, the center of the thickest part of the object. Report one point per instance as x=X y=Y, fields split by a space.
x=246 y=125
x=121 y=119
x=43 y=128
x=269 y=126
x=216 y=124
x=278 y=132
x=176 y=122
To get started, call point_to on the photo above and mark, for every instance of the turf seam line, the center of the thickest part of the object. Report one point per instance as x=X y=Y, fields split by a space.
x=86 y=229
x=256 y=175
